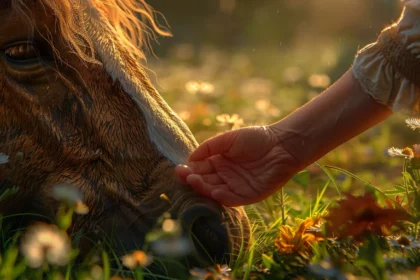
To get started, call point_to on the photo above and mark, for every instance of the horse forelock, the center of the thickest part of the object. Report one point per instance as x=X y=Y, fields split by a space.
x=112 y=33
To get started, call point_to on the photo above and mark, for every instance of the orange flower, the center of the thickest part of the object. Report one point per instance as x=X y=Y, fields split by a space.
x=355 y=216
x=299 y=240
x=398 y=203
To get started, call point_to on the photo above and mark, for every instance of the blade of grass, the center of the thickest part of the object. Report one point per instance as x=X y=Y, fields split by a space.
x=357 y=178
x=107 y=266
x=319 y=197
x=324 y=168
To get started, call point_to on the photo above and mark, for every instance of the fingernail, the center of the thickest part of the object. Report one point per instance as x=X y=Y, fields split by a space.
x=184 y=168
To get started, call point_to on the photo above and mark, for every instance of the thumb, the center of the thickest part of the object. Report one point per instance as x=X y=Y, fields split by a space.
x=220 y=144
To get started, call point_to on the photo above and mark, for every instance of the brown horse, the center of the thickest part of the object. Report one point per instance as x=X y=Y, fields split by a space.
x=77 y=107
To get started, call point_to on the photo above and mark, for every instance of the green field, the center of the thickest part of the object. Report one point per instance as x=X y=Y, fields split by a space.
x=253 y=64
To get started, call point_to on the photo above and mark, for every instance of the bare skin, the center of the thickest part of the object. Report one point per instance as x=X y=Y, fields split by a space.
x=248 y=165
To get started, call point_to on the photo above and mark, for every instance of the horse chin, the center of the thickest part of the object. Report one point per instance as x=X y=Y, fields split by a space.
x=204 y=229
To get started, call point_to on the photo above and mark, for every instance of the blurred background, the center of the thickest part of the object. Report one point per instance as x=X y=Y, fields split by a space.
x=233 y=63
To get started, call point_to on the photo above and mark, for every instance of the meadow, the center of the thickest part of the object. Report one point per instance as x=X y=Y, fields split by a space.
x=352 y=215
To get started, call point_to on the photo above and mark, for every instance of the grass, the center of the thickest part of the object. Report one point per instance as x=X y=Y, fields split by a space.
x=263 y=260
x=211 y=103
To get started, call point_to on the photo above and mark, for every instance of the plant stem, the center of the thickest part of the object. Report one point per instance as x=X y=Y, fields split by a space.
x=405 y=180
x=283 y=220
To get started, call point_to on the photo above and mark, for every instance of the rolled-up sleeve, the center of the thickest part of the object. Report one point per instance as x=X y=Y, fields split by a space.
x=389 y=69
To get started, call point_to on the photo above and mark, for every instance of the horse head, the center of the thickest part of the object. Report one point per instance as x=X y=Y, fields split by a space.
x=77 y=108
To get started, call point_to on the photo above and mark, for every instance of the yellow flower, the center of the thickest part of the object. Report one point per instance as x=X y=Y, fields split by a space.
x=136 y=259
x=299 y=240
x=44 y=242
x=81 y=208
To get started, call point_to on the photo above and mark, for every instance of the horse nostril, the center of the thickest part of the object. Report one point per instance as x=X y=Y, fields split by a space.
x=208 y=235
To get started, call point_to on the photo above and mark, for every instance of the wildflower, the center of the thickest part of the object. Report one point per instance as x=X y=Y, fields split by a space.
x=170 y=225
x=67 y=193
x=206 y=88
x=97 y=272
x=216 y=272
x=81 y=208
x=403 y=242
x=3 y=158
x=396 y=152
x=298 y=240
x=136 y=259
x=198 y=86
x=72 y=196
x=355 y=216
x=319 y=81
x=234 y=121
x=184 y=115
x=172 y=246
x=192 y=87
x=413 y=123
x=44 y=242
x=398 y=203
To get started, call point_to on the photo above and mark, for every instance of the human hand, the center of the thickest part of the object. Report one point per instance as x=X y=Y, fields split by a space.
x=239 y=167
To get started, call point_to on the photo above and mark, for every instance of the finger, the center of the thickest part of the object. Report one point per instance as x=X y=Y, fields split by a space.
x=214 y=146
x=228 y=198
x=197 y=183
x=202 y=187
x=213 y=179
x=201 y=167
x=183 y=171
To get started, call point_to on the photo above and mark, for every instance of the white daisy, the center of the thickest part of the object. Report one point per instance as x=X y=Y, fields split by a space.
x=396 y=152
x=413 y=123
x=45 y=243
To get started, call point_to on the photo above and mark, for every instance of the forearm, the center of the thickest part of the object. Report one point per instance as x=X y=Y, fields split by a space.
x=335 y=116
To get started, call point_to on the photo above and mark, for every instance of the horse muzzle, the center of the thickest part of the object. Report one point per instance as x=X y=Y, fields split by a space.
x=208 y=234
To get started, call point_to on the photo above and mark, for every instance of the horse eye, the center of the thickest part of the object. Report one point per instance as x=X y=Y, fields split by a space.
x=23 y=52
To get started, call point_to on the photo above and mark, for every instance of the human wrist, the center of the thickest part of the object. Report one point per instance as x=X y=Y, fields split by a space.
x=288 y=140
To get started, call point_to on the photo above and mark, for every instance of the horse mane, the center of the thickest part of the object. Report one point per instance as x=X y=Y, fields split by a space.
x=133 y=23
x=113 y=33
